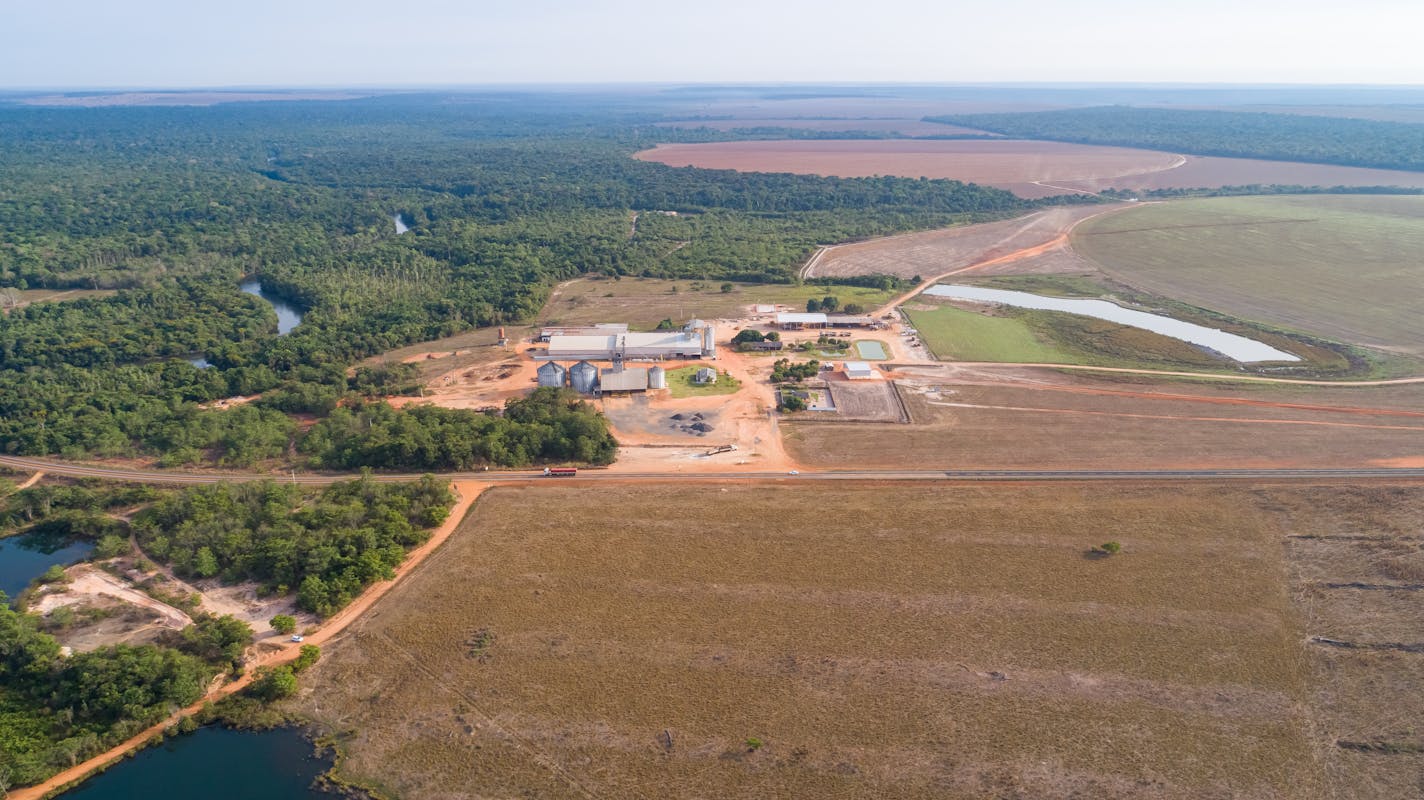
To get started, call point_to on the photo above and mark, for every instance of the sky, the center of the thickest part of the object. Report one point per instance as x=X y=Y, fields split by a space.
x=201 y=43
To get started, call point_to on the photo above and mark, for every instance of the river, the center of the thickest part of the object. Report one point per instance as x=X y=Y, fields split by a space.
x=1237 y=348
x=25 y=557
x=401 y=227
x=214 y=763
x=288 y=315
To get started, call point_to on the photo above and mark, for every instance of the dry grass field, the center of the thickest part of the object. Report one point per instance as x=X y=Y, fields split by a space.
x=1344 y=267
x=1026 y=168
x=961 y=423
x=855 y=641
x=644 y=302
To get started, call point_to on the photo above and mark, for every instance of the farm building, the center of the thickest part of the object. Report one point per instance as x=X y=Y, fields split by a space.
x=764 y=308
x=767 y=346
x=795 y=321
x=696 y=340
x=705 y=375
x=551 y=374
x=849 y=321
x=599 y=329
x=859 y=370
x=619 y=379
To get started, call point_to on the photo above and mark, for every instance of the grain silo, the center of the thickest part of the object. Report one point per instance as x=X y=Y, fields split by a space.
x=552 y=374
x=584 y=377
x=657 y=378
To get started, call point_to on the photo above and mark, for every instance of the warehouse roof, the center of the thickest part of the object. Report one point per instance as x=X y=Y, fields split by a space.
x=795 y=318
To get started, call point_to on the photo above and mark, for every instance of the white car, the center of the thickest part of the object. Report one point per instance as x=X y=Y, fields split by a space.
x=794 y=472
x=297 y=637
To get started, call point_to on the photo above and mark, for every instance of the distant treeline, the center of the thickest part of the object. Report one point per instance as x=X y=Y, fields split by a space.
x=507 y=194
x=1277 y=137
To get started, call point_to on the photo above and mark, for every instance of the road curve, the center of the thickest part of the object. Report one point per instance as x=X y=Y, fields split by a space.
x=587 y=475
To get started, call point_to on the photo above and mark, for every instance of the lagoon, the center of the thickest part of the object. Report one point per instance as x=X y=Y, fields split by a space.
x=1237 y=348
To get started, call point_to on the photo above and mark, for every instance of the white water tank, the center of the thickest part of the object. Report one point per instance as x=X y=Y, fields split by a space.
x=657 y=378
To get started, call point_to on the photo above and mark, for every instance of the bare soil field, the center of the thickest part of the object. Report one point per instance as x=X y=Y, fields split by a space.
x=905 y=126
x=865 y=401
x=1027 y=168
x=931 y=253
x=967 y=419
x=1208 y=172
x=1030 y=169
x=853 y=642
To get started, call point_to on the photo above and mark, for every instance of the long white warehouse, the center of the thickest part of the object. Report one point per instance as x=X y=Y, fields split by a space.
x=696 y=340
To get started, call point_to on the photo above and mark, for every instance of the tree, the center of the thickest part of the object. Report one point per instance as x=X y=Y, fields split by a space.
x=813 y=305
x=747 y=336
x=727 y=288
x=854 y=308
x=284 y=623
x=790 y=402
x=830 y=303
x=1110 y=548
x=309 y=655
x=773 y=336
x=276 y=683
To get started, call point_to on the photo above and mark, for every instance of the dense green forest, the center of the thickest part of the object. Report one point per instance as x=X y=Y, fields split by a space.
x=56 y=711
x=551 y=425
x=507 y=194
x=1277 y=137
x=327 y=547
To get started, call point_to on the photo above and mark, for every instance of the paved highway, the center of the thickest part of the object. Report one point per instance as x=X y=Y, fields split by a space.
x=320 y=479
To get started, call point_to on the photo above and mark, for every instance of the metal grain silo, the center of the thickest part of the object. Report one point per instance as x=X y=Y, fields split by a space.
x=657 y=378
x=552 y=374
x=584 y=377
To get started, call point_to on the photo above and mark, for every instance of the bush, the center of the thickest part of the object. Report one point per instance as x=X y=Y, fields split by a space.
x=283 y=623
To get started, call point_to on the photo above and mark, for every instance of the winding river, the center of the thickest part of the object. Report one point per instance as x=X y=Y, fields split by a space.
x=288 y=315
x=1237 y=348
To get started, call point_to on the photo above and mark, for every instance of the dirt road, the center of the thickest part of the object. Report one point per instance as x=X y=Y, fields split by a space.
x=466 y=491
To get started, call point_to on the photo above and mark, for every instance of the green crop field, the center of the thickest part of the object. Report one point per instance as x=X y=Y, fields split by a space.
x=1349 y=268
x=953 y=333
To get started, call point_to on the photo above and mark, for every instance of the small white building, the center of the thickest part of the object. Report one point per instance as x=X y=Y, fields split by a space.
x=859 y=371
x=706 y=375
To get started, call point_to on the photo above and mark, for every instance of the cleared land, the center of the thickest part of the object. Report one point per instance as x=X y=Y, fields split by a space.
x=1002 y=418
x=1343 y=267
x=861 y=641
x=931 y=253
x=644 y=302
x=1029 y=169
x=1026 y=168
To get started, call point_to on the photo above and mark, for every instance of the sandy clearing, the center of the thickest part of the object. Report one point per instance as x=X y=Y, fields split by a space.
x=86 y=580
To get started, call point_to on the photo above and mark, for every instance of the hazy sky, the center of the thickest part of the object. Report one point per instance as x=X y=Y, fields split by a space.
x=177 y=43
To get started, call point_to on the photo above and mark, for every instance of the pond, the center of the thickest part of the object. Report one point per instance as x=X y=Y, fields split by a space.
x=1237 y=348
x=288 y=315
x=214 y=763
x=870 y=350
x=25 y=557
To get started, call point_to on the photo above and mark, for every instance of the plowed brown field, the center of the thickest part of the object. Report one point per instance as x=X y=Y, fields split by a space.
x=1029 y=169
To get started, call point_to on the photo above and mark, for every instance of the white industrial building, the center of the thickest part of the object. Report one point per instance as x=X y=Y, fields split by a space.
x=697 y=340
x=859 y=371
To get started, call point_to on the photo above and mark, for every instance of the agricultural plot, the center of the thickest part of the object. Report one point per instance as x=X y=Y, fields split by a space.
x=867 y=401
x=644 y=302
x=1029 y=169
x=857 y=641
x=931 y=253
x=1343 y=267
x=968 y=421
